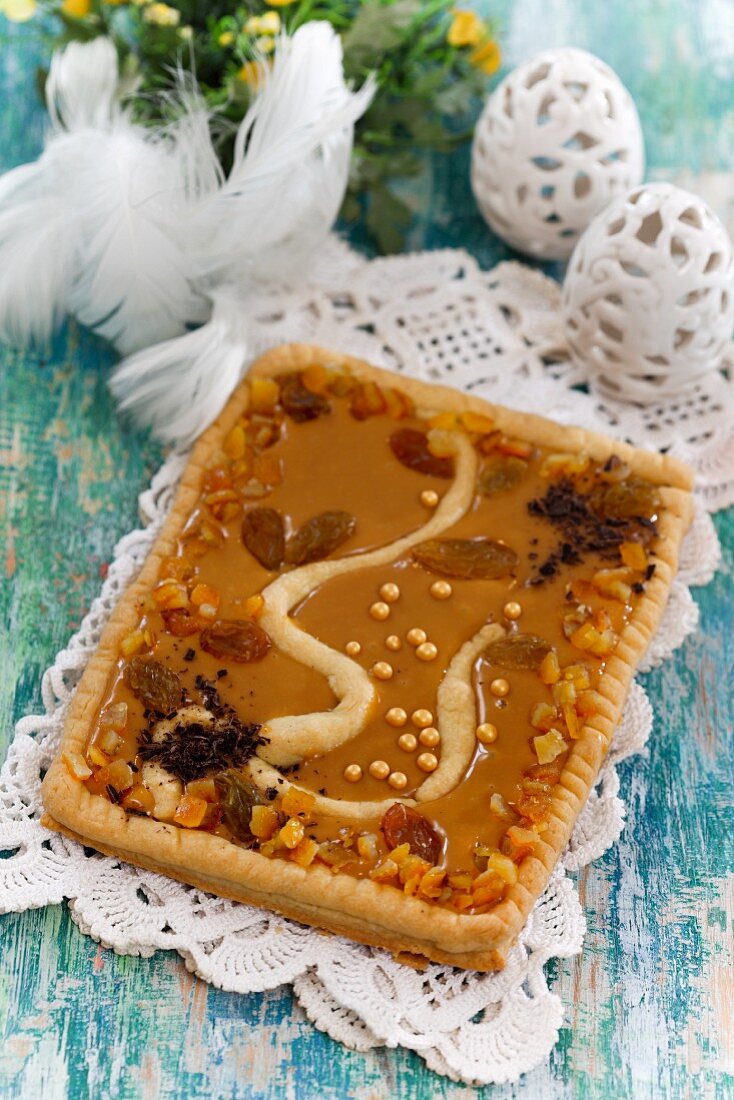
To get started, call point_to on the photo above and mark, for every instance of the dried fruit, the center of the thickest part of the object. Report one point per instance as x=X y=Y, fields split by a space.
x=292 y=833
x=411 y=448
x=501 y=473
x=263 y=533
x=517 y=651
x=367 y=400
x=139 y=800
x=305 y=853
x=401 y=825
x=630 y=499
x=634 y=555
x=76 y=765
x=238 y=640
x=263 y=395
x=264 y=822
x=295 y=802
x=157 y=686
x=190 y=811
x=549 y=746
x=299 y=402
x=469 y=559
x=181 y=623
x=238 y=799
x=319 y=537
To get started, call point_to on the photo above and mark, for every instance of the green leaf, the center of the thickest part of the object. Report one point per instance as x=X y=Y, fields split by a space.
x=377 y=29
x=387 y=218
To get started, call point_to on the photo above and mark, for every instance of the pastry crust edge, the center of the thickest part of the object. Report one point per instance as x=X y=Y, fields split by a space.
x=368 y=912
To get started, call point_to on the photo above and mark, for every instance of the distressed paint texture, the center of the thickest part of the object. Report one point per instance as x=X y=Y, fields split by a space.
x=649 y=1003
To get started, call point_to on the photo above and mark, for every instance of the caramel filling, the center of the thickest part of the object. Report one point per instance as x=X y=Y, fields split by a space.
x=332 y=625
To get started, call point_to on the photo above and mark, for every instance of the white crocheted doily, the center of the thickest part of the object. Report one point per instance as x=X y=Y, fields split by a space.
x=435 y=316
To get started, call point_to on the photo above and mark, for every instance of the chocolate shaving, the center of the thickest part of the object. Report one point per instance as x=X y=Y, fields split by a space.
x=585 y=528
x=195 y=749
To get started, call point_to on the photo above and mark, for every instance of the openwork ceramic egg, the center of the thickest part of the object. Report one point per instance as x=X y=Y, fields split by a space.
x=557 y=140
x=648 y=298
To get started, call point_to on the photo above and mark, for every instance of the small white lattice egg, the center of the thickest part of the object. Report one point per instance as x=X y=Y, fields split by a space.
x=557 y=140
x=648 y=299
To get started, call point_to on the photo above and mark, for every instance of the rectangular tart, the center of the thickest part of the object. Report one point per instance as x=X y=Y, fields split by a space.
x=371 y=666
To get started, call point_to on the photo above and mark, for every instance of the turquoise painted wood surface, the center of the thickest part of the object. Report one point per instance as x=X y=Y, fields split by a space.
x=650 y=1002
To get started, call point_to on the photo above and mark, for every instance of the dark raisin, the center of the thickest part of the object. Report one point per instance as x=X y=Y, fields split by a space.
x=469 y=559
x=411 y=448
x=501 y=473
x=236 y=640
x=517 y=651
x=401 y=825
x=263 y=533
x=181 y=623
x=300 y=403
x=157 y=686
x=319 y=537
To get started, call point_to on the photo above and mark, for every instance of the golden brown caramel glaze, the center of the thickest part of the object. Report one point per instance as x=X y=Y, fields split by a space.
x=400 y=622
x=449 y=622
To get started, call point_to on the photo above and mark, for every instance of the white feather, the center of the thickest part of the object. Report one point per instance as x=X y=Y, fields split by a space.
x=82 y=86
x=290 y=167
x=274 y=210
x=178 y=387
x=137 y=233
x=38 y=242
x=133 y=286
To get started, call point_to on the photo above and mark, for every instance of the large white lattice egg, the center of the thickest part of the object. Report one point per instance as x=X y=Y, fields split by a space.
x=648 y=299
x=557 y=140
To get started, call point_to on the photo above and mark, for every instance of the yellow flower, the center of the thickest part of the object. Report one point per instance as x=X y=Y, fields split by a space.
x=264 y=45
x=467 y=29
x=487 y=57
x=226 y=38
x=269 y=23
x=279 y=3
x=162 y=15
x=76 y=9
x=251 y=73
x=18 y=11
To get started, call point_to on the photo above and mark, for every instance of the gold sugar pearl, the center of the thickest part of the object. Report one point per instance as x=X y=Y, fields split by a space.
x=500 y=687
x=426 y=652
x=486 y=733
x=440 y=590
x=382 y=670
x=429 y=497
x=421 y=718
x=380 y=611
x=396 y=716
x=427 y=762
x=390 y=592
x=393 y=642
x=397 y=780
x=379 y=769
x=408 y=742
x=429 y=737
x=416 y=636
x=512 y=610
x=352 y=773
x=353 y=649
